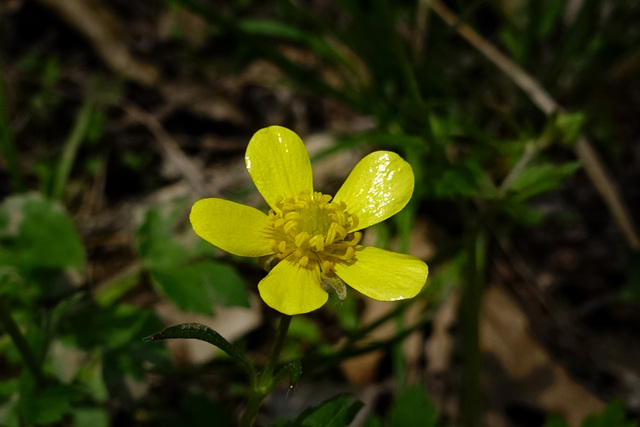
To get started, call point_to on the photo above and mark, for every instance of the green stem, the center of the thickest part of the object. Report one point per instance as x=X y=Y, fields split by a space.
x=251 y=411
x=21 y=344
x=470 y=315
x=7 y=145
x=281 y=335
x=71 y=145
x=265 y=382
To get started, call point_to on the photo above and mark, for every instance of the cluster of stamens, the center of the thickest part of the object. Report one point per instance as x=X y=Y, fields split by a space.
x=313 y=230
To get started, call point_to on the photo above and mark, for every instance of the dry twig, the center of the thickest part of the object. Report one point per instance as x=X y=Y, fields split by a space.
x=170 y=148
x=107 y=34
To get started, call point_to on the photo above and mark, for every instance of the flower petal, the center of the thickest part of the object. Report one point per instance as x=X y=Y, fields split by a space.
x=292 y=289
x=384 y=275
x=378 y=187
x=235 y=228
x=278 y=163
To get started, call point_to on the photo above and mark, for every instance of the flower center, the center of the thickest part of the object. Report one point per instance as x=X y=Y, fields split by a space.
x=313 y=230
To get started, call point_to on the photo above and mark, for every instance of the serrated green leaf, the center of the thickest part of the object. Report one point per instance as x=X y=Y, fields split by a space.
x=204 y=333
x=338 y=411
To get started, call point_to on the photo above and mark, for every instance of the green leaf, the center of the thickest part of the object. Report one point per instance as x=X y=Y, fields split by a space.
x=562 y=127
x=36 y=233
x=190 y=286
x=464 y=179
x=198 y=286
x=555 y=421
x=49 y=405
x=569 y=126
x=183 y=288
x=302 y=328
x=292 y=370
x=96 y=125
x=338 y=411
x=373 y=421
x=7 y=388
x=551 y=13
x=90 y=417
x=155 y=242
x=90 y=377
x=514 y=42
x=522 y=213
x=50 y=71
x=537 y=179
x=89 y=325
x=613 y=415
x=204 y=333
x=413 y=409
x=263 y=27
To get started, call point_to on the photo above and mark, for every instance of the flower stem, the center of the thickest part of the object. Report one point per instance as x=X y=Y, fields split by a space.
x=21 y=344
x=265 y=383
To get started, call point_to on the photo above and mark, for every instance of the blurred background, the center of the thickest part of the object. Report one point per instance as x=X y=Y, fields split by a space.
x=519 y=118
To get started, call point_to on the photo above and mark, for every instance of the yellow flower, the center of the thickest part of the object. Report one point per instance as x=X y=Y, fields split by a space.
x=314 y=237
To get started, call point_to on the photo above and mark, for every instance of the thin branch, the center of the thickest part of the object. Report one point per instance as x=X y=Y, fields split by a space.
x=530 y=151
x=107 y=33
x=592 y=163
x=170 y=148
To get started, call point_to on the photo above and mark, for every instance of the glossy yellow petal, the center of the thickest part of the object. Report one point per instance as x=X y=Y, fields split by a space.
x=278 y=163
x=384 y=275
x=379 y=186
x=233 y=227
x=292 y=289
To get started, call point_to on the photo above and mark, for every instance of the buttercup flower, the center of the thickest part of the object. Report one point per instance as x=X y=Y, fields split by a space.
x=312 y=238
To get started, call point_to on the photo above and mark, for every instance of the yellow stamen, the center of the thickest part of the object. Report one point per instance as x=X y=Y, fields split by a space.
x=313 y=230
